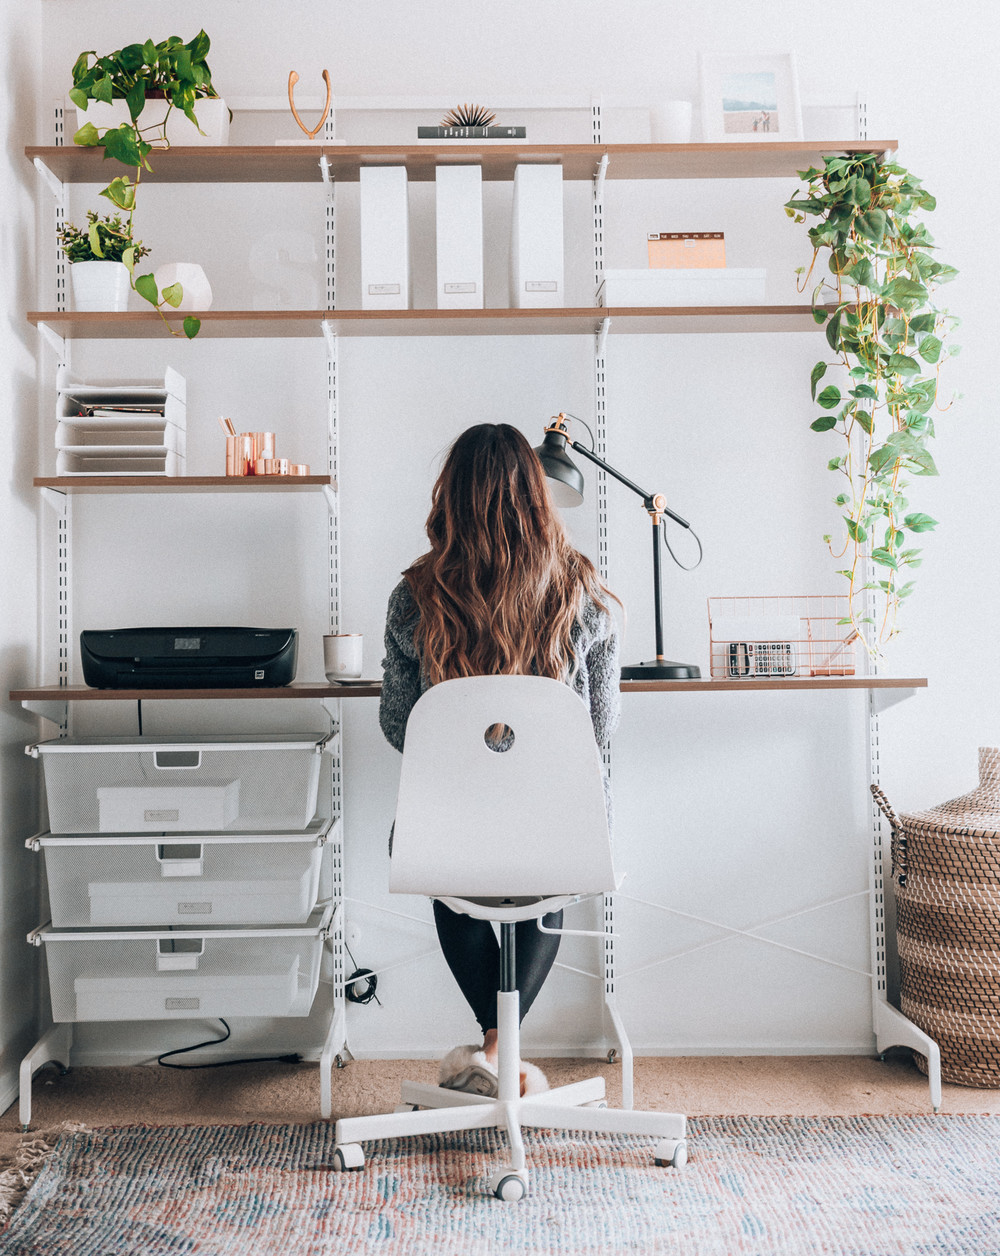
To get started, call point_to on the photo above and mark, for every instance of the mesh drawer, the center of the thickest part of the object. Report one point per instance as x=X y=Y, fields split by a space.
x=188 y=785
x=184 y=974
x=188 y=879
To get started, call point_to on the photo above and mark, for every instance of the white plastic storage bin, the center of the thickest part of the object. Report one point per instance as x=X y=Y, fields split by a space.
x=239 y=783
x=186 y=879
x=163 y=974
x=710 y=285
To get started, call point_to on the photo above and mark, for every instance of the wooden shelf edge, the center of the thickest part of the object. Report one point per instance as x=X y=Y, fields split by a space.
x=181 y=483
x=309 y=689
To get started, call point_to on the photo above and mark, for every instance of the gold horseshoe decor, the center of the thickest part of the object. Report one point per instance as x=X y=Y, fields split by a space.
x=293 y=78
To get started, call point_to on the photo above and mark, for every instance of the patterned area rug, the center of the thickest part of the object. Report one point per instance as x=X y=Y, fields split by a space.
x=841 y=1186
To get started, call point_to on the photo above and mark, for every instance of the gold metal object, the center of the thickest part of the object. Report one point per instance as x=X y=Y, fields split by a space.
x=293 y=78
x=271 y=466
x=298 y=468
x=468 y=115
x=559 y=423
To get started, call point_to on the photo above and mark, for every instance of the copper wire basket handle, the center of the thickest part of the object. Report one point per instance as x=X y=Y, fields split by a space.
x=897 y=845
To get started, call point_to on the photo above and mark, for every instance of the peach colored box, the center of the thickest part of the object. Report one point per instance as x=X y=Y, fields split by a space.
x=686 y=250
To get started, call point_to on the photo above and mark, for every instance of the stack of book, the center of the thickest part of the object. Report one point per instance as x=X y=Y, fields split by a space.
x=121 y=427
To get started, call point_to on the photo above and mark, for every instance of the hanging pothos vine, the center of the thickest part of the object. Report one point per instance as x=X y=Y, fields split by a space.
x=888 y=338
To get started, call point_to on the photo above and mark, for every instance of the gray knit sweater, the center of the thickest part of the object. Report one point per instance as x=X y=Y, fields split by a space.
x=596 y=681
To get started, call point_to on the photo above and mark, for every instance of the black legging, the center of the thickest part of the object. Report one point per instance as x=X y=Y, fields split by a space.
x=473 y=955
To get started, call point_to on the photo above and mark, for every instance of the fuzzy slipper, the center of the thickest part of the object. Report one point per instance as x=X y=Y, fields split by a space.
x=467 y=1069
x=535 y=1081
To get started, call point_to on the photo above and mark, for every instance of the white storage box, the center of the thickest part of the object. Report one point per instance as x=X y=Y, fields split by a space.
x=702 y=286
x=179 y=974
x=120 y=427
x=537 y=261
x=244 y=783
x=119 y=462
x=189 y=879
x=385 y=238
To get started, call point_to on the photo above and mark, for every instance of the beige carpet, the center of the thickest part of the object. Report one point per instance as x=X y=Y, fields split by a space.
x=703 y=1085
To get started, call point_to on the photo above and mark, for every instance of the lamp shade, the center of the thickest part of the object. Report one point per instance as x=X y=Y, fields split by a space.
x=565 y=477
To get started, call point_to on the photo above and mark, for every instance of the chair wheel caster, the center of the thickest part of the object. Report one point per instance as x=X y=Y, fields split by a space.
x=671 y=1152
x=406 y=1107
x=348 y=1156
x=509 y=1184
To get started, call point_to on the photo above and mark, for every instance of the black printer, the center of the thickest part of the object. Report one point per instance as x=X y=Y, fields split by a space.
x=188 y=658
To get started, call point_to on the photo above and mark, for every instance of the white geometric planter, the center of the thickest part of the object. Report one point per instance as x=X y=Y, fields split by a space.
x=100 y=285
x=191 y=277
x=213 y=118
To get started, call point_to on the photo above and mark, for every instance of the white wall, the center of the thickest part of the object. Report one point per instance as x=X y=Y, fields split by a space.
x=734 y=807
x=19 y=75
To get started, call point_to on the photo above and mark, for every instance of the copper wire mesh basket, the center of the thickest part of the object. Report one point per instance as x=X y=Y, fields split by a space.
x=946 y=872
x=766 y=637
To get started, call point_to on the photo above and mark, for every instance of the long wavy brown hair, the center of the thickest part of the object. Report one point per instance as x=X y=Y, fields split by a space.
x=501 y=586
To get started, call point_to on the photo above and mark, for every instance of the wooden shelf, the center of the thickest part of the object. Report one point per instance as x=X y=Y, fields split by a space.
x=300 y=163
x=308 y=689
x=576 y=321
x=181 y=483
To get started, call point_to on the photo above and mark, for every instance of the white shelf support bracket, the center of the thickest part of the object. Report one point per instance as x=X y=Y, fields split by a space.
x=601 y=176
x=54 y=184
x=883 y=699
x=602 y=337
x=330 y=336
x=324 y=169
x=55 y=712
x=54 y=340
x=55 y=500
x=330 y=497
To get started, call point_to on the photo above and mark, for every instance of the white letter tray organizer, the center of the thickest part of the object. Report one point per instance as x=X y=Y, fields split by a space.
x=239 y=783
x=182 y=879
x=178 y=974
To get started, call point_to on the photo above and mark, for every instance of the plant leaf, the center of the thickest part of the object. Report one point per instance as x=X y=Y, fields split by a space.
x=121 y=193
x=128 y=258
x=918 y=522
x=145 y=285
x=930 y=349
x=174 y=295
x=191 y=327
x=818 y=371
x=829 y=397
x=79 y=98
x=902 y=364
x=824 y=423
x=88 y=136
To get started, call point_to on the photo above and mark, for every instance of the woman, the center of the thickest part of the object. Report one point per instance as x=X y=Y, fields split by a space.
x=501 y=590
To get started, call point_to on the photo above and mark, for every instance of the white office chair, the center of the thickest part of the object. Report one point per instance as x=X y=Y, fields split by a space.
x=503 y=835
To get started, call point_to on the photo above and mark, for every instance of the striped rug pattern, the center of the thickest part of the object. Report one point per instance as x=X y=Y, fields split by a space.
x=794 y=1186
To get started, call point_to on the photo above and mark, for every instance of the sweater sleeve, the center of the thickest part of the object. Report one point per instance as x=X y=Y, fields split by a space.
x=605 y=675
x=400 y=668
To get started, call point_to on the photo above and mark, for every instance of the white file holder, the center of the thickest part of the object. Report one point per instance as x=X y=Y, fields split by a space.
x=537 y=266
x=385 y=238
x=459 y=233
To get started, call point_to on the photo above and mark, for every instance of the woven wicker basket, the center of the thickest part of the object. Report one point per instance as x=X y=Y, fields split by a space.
x=946 y=871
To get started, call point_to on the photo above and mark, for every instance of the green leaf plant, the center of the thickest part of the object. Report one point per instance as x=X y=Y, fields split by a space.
x=170 y=70
x=887 y=339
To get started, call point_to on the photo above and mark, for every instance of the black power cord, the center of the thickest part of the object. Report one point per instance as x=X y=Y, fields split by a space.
x=211 y=1042
x=361 y=985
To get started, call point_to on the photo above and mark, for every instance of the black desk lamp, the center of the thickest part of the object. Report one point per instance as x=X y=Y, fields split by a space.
x=567 y=490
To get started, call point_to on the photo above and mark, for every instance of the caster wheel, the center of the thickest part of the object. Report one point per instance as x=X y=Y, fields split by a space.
x=348 y=1156
x=612 y=1056
x=509 y=1185
x=339 y=1061
x=671 y=1153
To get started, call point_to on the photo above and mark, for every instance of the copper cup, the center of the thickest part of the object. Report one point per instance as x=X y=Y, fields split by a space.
x=261 y=446
x=272 y=466
x=298 y=468
x=239 y=451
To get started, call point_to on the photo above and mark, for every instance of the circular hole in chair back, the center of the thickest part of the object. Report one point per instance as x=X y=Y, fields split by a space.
x=499 y=737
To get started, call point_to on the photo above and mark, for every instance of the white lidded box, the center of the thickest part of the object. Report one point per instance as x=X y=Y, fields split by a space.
x=182 y=879
x=537 y=262
x=179 y=974
x=238 y=783
x=385 y=238
x=458 y=222
x=715 y=285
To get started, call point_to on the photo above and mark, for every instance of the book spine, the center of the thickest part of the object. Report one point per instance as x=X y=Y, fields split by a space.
x=470 y=132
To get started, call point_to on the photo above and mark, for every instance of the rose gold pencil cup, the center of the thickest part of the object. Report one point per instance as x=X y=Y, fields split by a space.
x=271 y=466
x=238 y=455
x=298 y=468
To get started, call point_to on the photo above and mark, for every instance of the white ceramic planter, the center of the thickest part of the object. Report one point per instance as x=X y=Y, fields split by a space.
x=100 y=286
x=197 y=289
x=213 y=117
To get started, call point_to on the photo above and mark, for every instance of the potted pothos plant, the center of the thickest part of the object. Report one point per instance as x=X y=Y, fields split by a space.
x=174 y=74
x=887 y=340
x=101 y=256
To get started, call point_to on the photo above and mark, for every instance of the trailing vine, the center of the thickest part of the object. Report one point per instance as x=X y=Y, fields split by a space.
x=888 y=341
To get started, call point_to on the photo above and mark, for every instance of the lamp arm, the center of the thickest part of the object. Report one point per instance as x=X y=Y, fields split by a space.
x=649 y=500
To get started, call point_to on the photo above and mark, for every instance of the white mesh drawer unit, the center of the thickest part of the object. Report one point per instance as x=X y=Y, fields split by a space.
x=180 y=974
x=183 y=878
x=240 y=783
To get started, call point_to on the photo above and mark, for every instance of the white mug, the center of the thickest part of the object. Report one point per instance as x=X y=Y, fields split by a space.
x=670 y=122
x=342 y=655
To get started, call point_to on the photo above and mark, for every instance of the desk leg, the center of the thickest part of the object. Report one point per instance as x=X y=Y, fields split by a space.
x=52 y=1048
x=611 y=1003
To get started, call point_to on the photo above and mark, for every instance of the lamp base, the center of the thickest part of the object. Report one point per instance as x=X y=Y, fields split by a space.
x=661 y=669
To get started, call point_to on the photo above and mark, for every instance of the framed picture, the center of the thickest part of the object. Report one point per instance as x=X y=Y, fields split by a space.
x=748 y=97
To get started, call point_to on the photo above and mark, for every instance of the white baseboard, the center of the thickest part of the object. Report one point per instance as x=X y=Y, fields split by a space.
x=9 y=1091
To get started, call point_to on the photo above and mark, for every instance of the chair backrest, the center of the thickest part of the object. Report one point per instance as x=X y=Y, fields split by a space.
x=523 y=820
